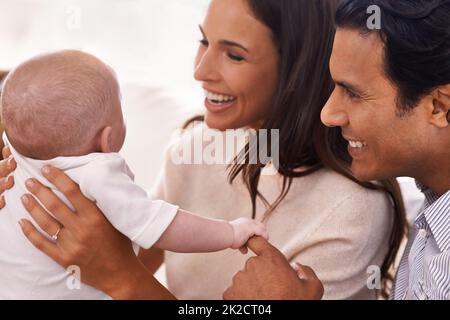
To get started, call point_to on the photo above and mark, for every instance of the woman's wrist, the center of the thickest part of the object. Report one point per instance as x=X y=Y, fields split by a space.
x=137 y=283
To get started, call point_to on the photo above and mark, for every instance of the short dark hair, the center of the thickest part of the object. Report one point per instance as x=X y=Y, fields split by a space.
x=416 y=34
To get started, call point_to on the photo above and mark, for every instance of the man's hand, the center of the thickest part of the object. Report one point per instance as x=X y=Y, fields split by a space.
x=269 y=276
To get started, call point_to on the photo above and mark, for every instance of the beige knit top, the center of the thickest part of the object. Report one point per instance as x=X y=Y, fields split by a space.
x=326 y=221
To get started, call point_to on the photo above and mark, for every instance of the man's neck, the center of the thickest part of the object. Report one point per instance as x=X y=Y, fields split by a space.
x=437 y=178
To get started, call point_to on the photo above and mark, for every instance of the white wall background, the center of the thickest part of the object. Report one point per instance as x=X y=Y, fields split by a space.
x=150 y=43
x=146 y=40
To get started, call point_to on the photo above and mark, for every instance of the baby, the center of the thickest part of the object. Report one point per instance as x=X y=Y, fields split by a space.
x=63 y=109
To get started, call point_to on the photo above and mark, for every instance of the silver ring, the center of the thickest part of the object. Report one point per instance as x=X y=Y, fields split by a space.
x=55 y=236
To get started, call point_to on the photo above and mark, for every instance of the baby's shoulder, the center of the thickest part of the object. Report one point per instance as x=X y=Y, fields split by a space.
x=104 y=165
x=105 y=159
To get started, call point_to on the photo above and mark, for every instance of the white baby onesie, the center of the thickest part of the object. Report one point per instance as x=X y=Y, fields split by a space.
x=27 y=273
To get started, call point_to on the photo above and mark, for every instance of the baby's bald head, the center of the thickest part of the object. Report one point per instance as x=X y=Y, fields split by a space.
x=57 y=104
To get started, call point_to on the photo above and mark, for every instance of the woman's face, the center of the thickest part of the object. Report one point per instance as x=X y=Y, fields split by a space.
x=237 y=63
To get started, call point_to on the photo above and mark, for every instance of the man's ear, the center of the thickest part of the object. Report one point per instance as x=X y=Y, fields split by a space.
x=105 y=140
x=441 y=106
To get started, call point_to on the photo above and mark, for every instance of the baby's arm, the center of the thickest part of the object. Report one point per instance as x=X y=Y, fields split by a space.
x=192 y=233
x=148 y=222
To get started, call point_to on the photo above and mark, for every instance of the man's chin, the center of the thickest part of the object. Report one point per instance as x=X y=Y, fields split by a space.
x=364 y=174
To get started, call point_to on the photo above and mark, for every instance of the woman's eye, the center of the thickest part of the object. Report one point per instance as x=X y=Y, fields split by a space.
x=235 y=57
x=204 y=42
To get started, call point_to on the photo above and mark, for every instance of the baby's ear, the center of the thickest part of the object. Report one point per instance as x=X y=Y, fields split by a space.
x=105 y=140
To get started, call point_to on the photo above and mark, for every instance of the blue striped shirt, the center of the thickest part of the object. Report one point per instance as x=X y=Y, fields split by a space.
x=424 y=271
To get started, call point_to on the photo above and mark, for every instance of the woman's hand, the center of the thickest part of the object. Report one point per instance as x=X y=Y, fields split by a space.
x=269 y=276
x=85 y=238
x=7 y=166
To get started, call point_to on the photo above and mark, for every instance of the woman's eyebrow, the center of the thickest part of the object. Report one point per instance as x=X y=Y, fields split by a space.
x=226 y=42
x=233 y=44
x=201 y=30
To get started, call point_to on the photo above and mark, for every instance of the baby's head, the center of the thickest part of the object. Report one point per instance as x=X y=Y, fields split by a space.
x=65 y=103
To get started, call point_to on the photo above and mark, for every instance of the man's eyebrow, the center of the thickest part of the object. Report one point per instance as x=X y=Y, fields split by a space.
x=226 y=42
x=349 y=86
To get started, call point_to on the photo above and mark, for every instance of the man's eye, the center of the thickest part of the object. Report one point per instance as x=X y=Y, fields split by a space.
x=351 y=94
x=235 y=57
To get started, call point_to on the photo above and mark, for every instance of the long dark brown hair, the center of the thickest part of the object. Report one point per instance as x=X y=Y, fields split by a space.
x=303 y=31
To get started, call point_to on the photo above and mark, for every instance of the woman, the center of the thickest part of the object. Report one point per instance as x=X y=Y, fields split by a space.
x=269 y=60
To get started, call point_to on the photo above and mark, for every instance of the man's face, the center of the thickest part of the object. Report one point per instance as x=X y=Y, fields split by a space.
x=382 y=142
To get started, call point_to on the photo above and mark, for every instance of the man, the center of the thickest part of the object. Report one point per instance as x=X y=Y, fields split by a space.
x=392 y=102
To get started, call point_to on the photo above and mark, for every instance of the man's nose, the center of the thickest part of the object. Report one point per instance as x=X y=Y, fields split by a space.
x=332 y=115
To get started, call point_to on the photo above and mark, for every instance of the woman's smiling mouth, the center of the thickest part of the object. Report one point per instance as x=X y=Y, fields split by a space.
x=218 y=102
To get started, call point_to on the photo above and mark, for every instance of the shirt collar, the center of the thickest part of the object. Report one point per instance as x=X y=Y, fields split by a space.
x=430 y=195
x=437 y=215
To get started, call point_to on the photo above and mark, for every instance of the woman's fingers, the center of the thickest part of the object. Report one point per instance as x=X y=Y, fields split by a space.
x=6 y=183
x=45 y=221
x=70 y=189
x=7 y=166
x=40 y=241
x=2 y=202
x=51 y=202
x=6 y=152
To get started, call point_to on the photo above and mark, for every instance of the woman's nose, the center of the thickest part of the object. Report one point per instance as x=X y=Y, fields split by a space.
x=206 y=67
x=332 y=115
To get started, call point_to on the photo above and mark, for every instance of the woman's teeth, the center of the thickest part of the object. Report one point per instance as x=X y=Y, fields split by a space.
x=218 y=98
x=357 y=144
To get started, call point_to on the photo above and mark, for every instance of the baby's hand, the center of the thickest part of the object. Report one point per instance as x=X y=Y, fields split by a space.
x=244 y=229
